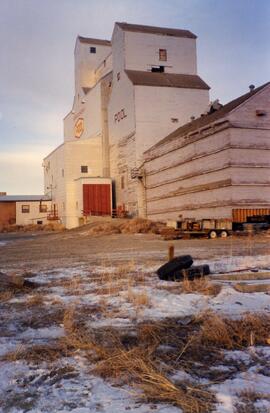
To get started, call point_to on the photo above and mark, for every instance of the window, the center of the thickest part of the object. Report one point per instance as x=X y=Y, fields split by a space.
x=174 y=120
x=25 y=209
x=84 y=169
x=42 y=208
x=122 y=182
x=39 y=222
x=63 y=173
x=92 y=49
x=159 y=69
x=118 y=76
x=163 y=55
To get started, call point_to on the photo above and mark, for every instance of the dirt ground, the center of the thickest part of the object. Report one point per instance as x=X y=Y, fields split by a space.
x=70 y=248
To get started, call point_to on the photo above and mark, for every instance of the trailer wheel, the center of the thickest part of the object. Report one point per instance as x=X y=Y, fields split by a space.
x=223 y=234
x=212 y=234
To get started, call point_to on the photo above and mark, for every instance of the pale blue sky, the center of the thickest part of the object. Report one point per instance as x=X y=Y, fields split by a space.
x=36 y=63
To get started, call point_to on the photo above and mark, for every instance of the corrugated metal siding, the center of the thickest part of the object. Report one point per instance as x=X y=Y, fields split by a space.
x=97 y=199
x=240 y=215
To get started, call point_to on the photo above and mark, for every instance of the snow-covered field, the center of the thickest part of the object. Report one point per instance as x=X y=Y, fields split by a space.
x=122 y=298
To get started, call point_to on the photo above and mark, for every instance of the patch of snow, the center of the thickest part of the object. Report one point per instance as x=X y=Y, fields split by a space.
x=236 y=263
x=227 y=393
x=45 y=333
x=78 y=392
x=232 y=303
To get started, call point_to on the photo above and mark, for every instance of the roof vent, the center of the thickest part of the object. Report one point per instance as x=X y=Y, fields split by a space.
x=213 y=107
x=251 y=88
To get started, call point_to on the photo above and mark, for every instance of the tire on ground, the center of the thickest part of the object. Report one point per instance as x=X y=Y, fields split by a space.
x=168 y=270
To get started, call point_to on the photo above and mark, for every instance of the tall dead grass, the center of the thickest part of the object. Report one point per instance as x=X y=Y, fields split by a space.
x=200 y=285
x=138 y=298
x=230 y=334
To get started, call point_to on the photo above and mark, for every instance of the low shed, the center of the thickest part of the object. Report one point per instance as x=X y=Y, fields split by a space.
x=24 y=209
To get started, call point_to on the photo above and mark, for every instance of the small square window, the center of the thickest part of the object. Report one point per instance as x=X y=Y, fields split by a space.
x=42 y=208
x=25 y=209
x=163 y=55
x=92 y=49
x=84 y=169
x=39 y=222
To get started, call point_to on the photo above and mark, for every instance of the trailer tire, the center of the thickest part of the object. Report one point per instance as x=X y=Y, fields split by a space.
x=224 y=234
x=212 y=234
x=168 y=270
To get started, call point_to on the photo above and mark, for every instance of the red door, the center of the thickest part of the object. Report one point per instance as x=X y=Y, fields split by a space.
x=96 y=199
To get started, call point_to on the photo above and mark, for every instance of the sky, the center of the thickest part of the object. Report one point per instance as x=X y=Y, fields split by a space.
x=36 y=63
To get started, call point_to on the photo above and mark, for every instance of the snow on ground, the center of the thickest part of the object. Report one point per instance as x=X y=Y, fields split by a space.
x=228 y=392
x=236 y=263
x=68 y=386
x=65 y=387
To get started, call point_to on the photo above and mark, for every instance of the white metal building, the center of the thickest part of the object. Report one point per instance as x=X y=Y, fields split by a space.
x=129 y=94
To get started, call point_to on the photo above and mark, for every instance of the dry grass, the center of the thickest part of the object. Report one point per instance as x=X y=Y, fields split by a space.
x=248 y=399
x=6 y=296
x=124 y=226
x=140 y=226
x=104 y=229
x=33 y=227
x=35 y=300
x=234 y=334
x=137 y=367
x=200 y=285
x=138 y=299
x=134 y=363
x=39 y=353
x=135 y=359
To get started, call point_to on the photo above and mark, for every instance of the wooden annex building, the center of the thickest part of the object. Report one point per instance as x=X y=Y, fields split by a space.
x=217 y=165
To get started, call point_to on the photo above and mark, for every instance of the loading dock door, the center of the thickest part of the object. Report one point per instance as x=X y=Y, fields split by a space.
x=97 y=199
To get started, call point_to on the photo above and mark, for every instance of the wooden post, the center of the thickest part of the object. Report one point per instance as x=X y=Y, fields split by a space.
x=171 y=252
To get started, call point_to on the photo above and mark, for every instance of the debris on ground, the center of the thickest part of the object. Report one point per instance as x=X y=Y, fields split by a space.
x=53 y=226
x=123 y=226
x=181 y=268
x=14 y=282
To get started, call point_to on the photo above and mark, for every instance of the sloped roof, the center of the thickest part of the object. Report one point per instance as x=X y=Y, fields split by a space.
x=94 y=41
x=208 y=119
x=22 y=198
x=165 y=31
x=138 y=77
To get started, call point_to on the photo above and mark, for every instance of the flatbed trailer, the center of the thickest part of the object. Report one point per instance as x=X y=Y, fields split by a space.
x=211 y=228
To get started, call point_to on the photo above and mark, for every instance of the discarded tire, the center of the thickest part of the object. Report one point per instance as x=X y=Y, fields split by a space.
x=168 y=270
x=191 y=273
x=197 y=271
